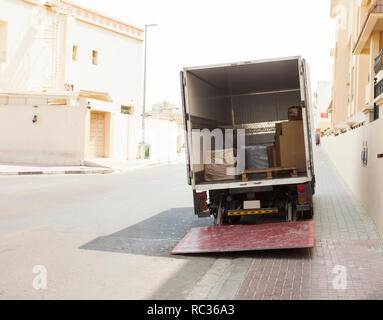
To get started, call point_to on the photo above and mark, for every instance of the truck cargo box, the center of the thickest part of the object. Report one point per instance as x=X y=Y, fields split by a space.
x=255 y=117
x=258 y=97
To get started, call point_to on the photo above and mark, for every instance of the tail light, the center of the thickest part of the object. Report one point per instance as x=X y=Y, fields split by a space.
x=302 y=194
x=202 y=201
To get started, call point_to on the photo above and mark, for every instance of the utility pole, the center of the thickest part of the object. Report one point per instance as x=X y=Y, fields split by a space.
x=142 y=144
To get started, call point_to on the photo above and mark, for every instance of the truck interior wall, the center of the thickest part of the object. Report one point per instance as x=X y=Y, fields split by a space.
x=249 y=109
x=264 y=108
x=252 y=140
x=209 y=108
x=207 y=103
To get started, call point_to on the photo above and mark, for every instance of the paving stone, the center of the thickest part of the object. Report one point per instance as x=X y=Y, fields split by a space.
x=345 y=262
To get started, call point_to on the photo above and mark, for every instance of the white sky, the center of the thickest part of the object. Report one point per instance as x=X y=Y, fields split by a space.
x=199 y=32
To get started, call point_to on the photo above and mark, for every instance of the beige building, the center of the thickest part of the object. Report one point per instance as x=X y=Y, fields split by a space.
x=356 y=147
x=56 y=48
x=359 y=40
x=322 y=100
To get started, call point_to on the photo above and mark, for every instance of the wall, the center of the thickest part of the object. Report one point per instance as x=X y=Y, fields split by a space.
x=120 y=64
x=161 y=135
x=57 y=138
x=119 y=136
x=365 y=182
x=25 y=67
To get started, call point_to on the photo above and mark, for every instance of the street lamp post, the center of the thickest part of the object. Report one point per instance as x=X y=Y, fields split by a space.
x=142 y=145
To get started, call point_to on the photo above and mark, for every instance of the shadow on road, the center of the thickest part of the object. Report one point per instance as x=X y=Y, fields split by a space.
x=156 y=236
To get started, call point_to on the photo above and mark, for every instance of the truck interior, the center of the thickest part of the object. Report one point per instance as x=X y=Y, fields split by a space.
x=253 y=96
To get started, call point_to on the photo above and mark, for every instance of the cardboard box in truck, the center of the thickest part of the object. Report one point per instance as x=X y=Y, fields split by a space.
x=272 y=155
x=290 y=145
x=220 y=165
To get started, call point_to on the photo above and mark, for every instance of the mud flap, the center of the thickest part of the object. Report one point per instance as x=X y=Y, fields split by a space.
x=247 y=238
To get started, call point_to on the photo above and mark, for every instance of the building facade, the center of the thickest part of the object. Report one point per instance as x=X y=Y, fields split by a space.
x=58 y=46
x=354 y=144
x=359 y=40
x=322 y=100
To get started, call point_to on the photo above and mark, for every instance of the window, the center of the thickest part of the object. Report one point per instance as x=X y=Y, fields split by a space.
x=95 y=57
x=75 y=53
x=3 y=40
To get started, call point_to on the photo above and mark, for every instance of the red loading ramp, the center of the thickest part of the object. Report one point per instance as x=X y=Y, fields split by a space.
x=247 y=238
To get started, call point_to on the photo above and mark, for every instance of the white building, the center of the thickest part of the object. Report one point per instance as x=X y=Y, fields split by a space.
x=53 y=47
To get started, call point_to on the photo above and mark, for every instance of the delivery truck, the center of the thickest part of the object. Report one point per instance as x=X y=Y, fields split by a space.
x=267 y=107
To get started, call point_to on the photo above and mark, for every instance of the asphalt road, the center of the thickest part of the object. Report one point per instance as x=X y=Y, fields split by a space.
x=99 y=236
x=109 y=237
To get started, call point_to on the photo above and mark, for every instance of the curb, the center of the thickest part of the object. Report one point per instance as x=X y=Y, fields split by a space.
x=100 y=170
x=52 y=172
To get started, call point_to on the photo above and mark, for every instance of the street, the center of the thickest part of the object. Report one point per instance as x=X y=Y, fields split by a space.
x=109 y=237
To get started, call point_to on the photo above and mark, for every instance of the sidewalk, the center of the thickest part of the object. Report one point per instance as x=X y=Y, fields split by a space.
x=92 y=166
x=345 y=263
x=33 y=169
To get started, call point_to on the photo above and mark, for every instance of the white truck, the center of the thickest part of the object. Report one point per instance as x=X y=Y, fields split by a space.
x=254 y=97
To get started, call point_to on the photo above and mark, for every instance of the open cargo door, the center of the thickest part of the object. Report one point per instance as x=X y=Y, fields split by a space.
x=309 y=110
x=186 y=119
x=247 y=238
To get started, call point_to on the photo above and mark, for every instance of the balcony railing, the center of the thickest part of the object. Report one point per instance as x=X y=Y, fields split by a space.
x=379 y=62
x=378 y=90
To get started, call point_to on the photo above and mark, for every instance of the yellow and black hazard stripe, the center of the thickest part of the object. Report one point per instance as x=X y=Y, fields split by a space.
x=251 y=212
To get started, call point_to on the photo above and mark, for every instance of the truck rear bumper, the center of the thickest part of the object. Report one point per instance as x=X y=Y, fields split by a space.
x=236 y=213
